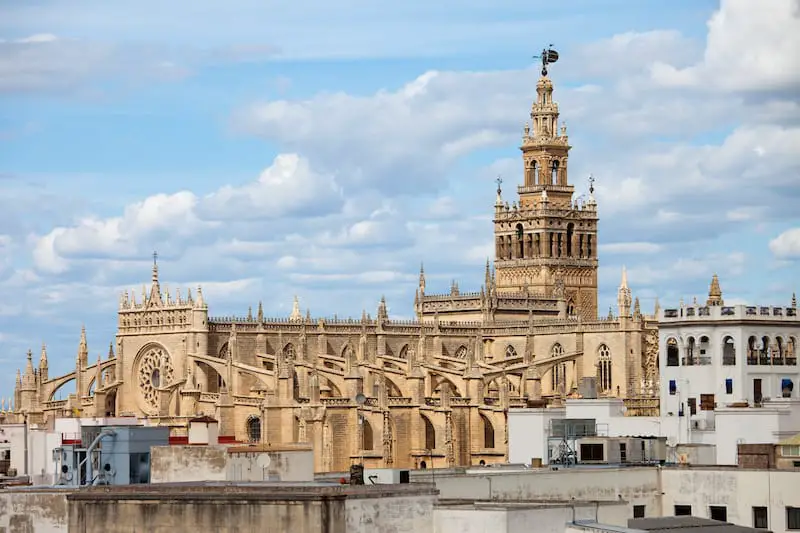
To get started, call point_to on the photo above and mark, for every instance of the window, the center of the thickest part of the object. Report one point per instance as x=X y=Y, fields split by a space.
x=591 y=452
x=718 y=512
x=638 y=511
x=707 y=402
x=673 y=387
x=683 y=510
x=604 y=367
x=790 y=451
x=623 y=452
x=760 y=519
x=729 y=386
x=672 y=352
x=793 y=518
x=692 y=406
x=254 y=429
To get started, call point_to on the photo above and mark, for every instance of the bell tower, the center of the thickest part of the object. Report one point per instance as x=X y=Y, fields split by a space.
x=546 y=242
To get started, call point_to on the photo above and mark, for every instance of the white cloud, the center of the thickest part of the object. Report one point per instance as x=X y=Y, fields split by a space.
x=630 y=248
x=750 y=46
x=282 y=190
x=786 y=245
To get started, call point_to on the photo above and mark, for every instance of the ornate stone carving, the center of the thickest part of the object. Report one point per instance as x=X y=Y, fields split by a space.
x=154 y=371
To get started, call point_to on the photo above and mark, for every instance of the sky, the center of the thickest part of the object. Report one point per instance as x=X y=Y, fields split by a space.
x=324 y=150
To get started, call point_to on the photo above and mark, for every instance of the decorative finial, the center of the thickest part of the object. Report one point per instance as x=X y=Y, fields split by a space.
x=591 y=184
x=499 y=182
x=155 y=258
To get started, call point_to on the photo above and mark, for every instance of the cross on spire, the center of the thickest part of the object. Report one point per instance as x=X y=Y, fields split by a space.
x=155 y=257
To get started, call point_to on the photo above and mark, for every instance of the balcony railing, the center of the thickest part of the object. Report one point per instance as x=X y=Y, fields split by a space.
x=696 y=360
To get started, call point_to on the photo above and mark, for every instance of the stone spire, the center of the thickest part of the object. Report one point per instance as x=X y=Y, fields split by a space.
x=29 y=365
x=43 y=363
x=260 y=312
x=383 y=314
x=714 y=292
x=154 y=300
x=794 y=301
x=637 y=309
x=200 y=302
x=296 y=315
x=421 y=280
x=111 y=350
x=83 y=349
x=624 y=296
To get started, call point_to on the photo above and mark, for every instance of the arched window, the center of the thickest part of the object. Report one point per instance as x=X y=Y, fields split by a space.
x=673 y=353
x=254 y=429
x=510 y=352
x=559 y=370
x=520 y=241
x=535 y=172
x=604 y=367
x=556 y=350
x=752 y=350
x=791 y=355
x=430 y=434
x=555 y=172
x=488 y=432
x=728 y=351
x=404 y=352
x=461 y=352
x=367 y=439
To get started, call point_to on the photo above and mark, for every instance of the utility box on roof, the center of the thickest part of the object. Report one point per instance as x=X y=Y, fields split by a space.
x=385 y=476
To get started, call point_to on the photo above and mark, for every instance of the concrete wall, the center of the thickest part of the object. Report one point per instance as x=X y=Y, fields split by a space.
x=171 y=464
x=277 y=465
x=269 y=508
x=637 y=486
x=399 y=514
x=33 y=511
x=548 y=518
x=739 y=490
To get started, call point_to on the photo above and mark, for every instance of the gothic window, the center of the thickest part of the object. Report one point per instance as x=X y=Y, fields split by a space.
x=555 y=172
x=488 y=432
x=589 y=246
x=430 y=434
x=254 y=429
x=510 y=352
x=520 y=243
x=404 y=352
x=461 y=352
x=367 y=438
x=556 y=350
x=155 y=370
x=604 y=365
x=535 y=172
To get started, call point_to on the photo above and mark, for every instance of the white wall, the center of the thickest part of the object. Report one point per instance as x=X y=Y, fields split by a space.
x=738 y=489
x=549 y=518
x=529 y=429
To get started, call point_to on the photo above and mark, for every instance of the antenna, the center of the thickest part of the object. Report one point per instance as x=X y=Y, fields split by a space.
x=548 y=56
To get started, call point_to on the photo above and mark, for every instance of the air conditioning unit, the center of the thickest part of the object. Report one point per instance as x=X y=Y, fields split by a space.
x=385 y=476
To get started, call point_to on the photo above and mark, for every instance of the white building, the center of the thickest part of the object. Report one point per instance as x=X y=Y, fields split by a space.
x=718 y=355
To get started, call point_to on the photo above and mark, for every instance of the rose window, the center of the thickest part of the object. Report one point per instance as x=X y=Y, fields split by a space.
x=155 y=371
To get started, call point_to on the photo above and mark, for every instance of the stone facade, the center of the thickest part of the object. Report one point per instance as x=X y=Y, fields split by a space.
x=386 y=392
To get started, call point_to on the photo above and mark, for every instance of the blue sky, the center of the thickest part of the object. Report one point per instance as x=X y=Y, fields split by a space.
x=268 y=150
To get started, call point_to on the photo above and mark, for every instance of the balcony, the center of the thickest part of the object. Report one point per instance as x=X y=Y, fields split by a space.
x=696 y=360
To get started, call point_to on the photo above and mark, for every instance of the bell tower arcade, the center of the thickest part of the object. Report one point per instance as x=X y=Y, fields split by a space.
x=546 y=242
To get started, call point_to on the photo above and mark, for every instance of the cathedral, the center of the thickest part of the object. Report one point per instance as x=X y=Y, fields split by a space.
x=433 y=391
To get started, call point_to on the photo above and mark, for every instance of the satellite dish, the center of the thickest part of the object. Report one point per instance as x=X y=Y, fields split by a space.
x=360 y=399
x=263 y=460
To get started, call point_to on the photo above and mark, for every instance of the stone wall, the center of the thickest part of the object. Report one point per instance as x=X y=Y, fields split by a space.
x=173 y=464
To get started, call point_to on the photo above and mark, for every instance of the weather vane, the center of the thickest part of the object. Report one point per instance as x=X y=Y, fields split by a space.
x=499 y=181
x=548 y=56
x=591 y=184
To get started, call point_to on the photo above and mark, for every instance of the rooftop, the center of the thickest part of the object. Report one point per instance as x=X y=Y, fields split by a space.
x=687 y=524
